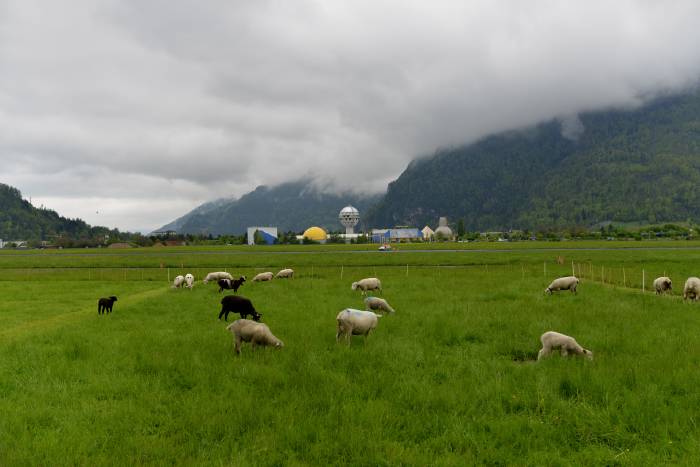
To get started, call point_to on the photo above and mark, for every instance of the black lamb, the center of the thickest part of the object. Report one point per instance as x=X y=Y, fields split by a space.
x=104 y=305
x=238 y=304
x=231 y=284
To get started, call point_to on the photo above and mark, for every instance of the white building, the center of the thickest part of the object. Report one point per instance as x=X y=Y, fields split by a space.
x=268 y=233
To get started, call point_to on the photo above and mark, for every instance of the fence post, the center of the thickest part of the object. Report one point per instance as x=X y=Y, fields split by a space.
x=522 y=270
x=602 y=274
x=545 y=268
x=168 y=275
x=643 y=280
x=341 y=272
x=624 y=278
x=407 y=270
x=573 y=269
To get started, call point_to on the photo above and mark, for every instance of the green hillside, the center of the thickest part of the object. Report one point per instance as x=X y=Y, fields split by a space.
x=640 y=165
x=19 y=220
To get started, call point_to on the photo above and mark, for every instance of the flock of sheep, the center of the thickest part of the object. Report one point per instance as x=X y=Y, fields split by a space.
x=361 y=322
x=567 y=345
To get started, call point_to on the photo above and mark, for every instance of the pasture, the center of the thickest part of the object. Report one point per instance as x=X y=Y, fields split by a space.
x=450 y=379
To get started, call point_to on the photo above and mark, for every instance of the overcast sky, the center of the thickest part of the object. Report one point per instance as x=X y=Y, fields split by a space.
x=131 y=113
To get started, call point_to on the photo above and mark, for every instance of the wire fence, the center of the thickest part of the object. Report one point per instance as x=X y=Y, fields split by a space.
x=634 y=277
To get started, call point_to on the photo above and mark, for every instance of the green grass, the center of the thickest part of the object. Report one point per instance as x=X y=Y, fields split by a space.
x=448 y=380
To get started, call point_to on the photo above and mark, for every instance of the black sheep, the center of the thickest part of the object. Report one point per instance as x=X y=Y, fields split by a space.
x=238 y=304
x=229 y=284
x=104 y=305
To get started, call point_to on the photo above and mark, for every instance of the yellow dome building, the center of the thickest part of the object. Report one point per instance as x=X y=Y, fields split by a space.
x=316 y=234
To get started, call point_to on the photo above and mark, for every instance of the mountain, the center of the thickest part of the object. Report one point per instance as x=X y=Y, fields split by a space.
x=289 y=206
x=19 y=220
x=640 y=165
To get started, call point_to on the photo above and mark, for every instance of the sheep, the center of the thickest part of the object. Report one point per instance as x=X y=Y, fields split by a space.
x=177 y=283
x=104 y=305
x=662 y=284
x=263 y=277
x=214 y=276
x=285 y=273
x=378 y=304
x=566 y=344
x=371 y=283
x=238 y=304
x=562 y=283
x=245 y=330
x=691 y=288
x=189 y=281
x=231 y=285
x=355 y=322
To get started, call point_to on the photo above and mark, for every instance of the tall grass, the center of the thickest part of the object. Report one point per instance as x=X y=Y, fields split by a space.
x=450 y=379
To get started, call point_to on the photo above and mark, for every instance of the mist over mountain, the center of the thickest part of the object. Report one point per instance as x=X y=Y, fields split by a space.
x=289 y=206
x=639 y=165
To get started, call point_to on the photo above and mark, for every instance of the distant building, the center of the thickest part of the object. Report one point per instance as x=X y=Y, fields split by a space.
x=443 y=230
x=159 y=233
x=395 y=235
x=317 y=234
x=269 y=234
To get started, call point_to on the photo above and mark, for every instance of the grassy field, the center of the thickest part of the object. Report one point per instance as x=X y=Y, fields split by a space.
x=450 y=379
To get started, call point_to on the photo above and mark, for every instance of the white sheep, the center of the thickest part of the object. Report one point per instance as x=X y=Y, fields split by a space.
x=370 y=283
x=285 y=273
x=662 y=284
x=245 y=330
x=355 y=322
x=215 y=276
x=562 y=283
x=378 y=304
x=263 y=277
x=177 y=283
x=189 y=281
x=691 y=288
x=566 y=344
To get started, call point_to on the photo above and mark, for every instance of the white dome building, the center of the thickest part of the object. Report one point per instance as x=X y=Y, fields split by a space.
x=349 y=216
x=443 y=230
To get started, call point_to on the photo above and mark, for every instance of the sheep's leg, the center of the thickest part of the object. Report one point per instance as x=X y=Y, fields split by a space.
x=238 y=344
x=564 y=352
x=221 y=313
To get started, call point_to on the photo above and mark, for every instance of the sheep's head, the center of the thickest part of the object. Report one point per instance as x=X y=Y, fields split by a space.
x=278 y=343
x=113 y=298
x=588 y=354
x=354 y=286
x=548 y=291
x=257 y=316
x=668 y=284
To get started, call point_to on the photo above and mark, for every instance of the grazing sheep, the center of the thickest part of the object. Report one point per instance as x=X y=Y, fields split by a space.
x=238 y=304
x=231 y=285
x=566 y=344
x=563 y=283
x=691 y=288
x=378 y=304
x=177 y=283
x=189 y=281
x=245 y=330
x=285 y=273
x=263 y=277
x=371 y=283
x=355 y=322
x=215 y=276
x=104 y=305
x=662 y=284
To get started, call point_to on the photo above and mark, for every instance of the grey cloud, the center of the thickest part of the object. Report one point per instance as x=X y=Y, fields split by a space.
x=199 y=100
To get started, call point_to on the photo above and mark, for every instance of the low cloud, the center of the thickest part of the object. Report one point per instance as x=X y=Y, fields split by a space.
x=152 y=107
